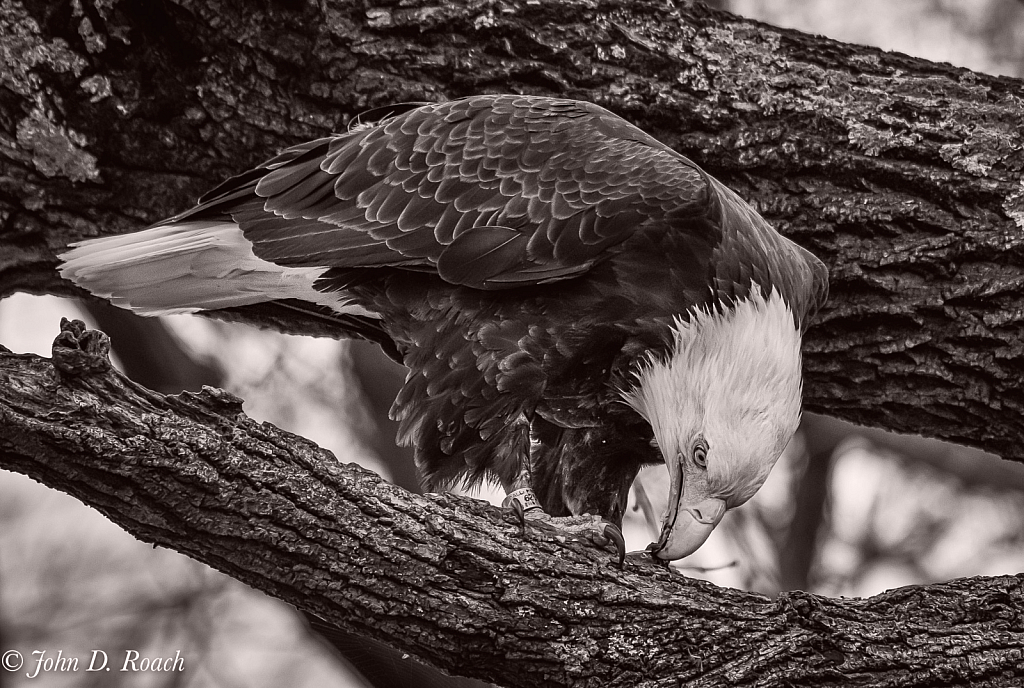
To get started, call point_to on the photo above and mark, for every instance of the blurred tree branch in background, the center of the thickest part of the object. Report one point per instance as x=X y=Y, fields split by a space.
x=379 y=379
x=798 y=549
x=823 y=438
x=150 y=354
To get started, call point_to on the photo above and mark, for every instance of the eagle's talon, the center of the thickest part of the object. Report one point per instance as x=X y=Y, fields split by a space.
x=563 y=528
x=520 y=513
x=613 y=533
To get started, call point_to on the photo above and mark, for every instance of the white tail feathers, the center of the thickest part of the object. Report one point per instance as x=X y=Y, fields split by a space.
x=187 y=268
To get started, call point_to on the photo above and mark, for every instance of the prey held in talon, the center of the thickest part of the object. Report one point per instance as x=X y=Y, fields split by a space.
x=573 y=298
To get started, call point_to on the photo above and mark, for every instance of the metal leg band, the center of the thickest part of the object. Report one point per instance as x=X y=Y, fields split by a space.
x=526 y=498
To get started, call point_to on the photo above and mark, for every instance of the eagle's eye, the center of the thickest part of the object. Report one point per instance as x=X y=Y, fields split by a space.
x=700 y=453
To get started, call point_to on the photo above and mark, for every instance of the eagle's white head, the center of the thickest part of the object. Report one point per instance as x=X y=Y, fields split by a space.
x=723 y=405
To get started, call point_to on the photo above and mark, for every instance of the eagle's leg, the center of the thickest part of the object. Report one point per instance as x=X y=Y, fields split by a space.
x=522 y=499
x=519 y=493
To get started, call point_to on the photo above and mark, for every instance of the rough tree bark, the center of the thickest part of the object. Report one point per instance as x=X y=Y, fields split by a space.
x=905 y=176
x=446 y=578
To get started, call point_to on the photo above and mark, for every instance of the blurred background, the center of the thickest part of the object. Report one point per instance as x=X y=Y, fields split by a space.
x=847 y=511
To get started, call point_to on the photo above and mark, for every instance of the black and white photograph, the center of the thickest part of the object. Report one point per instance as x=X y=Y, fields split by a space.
x=511 y=343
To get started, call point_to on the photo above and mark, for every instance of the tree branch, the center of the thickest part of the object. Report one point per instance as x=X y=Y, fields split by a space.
x=445 y=578
x=904 y=175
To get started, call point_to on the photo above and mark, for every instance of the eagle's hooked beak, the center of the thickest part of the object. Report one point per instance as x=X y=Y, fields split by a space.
x=689 y=518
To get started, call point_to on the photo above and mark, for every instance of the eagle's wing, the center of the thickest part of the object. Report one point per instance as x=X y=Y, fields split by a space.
x=489 y=192
x=750 y=250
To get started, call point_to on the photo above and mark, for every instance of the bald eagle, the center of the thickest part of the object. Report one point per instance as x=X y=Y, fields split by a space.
x=573 y=299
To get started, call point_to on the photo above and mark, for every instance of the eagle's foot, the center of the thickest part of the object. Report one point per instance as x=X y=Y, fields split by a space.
x=523 y=503
x=594 y=528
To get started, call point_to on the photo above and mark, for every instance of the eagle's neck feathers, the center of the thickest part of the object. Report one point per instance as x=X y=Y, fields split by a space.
x=732 y=377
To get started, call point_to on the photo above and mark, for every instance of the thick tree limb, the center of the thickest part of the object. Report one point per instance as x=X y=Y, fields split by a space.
x=905 y=176
x=445 y=578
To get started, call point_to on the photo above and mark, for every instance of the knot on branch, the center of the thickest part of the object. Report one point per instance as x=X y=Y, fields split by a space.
x=217 y=401
x=805 y=609
x=78 y=351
